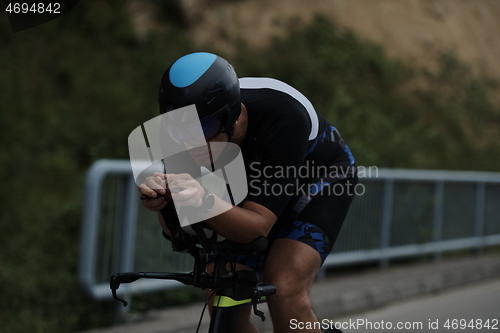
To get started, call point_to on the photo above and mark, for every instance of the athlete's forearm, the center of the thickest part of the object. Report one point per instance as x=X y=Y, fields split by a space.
x=241 y=225
x=237 y=224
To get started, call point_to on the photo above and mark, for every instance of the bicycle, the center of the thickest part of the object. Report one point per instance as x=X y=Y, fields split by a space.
x=232 y=289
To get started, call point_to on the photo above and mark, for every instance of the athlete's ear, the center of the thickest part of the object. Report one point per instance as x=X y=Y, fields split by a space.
x=242 y=116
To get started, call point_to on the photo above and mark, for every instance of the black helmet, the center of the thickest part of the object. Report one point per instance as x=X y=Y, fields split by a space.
x=206 y=80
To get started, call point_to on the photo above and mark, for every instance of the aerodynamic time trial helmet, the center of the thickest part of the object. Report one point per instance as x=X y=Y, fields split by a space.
x=209 y=82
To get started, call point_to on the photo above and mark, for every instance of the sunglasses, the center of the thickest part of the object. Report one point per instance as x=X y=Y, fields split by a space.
x=210 y=125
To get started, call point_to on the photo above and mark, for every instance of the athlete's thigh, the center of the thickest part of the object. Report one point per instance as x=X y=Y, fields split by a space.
x=316 y=219
x=292 y=266
x=328 y=208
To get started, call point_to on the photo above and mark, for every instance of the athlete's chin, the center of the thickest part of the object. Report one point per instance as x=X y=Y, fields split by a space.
x=202 y=160
x=204 y=164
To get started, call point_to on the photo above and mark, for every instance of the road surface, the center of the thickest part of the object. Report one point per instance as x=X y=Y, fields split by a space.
x=462 y=308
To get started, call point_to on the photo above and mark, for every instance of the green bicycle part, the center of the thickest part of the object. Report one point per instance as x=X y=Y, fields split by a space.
x=226 y=302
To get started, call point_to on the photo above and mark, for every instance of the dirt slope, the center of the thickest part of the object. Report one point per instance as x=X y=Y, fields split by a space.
x=413 y=30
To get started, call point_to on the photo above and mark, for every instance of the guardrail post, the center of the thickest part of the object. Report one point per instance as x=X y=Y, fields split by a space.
x=479 y=217
x=385 y=228
x=438 y=219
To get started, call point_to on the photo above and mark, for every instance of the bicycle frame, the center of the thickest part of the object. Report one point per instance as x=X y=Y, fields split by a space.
x=228 y=302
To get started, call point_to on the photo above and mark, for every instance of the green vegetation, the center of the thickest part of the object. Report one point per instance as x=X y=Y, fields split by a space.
x=74 y=88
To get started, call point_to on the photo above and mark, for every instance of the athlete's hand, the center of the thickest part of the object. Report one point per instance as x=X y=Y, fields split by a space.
x=185 y=190
x=153 y=190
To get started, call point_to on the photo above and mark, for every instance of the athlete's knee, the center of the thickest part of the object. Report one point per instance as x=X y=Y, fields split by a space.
x=295 y=274
x=288 y=286
x=289 y=299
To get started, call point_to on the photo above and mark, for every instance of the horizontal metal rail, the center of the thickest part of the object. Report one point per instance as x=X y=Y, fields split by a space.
x=403 y=213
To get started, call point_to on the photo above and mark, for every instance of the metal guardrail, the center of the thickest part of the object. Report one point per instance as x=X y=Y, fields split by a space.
x=401 y=213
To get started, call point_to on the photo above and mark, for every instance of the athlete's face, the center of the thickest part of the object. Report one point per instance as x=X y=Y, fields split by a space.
x=218 y=144
x=214 y=147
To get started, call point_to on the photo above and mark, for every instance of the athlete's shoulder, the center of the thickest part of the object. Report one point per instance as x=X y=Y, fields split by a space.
x=265 y=87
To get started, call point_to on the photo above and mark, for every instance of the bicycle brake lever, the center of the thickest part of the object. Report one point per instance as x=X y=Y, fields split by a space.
x=116 y=298
x=262 y=289
x=257 y=294
x=117 y=279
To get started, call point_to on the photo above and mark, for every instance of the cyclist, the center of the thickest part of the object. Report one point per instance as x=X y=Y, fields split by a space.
x=299 y=170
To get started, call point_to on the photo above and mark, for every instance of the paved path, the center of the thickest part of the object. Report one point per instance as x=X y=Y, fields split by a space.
x=461 y=309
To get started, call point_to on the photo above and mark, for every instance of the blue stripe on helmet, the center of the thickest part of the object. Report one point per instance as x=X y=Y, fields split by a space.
x=186 y=70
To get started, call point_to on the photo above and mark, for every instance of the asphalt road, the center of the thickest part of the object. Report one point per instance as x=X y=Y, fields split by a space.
x=466 y=306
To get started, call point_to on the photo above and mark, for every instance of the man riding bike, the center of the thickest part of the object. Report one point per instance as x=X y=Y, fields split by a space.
x=300 y=176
